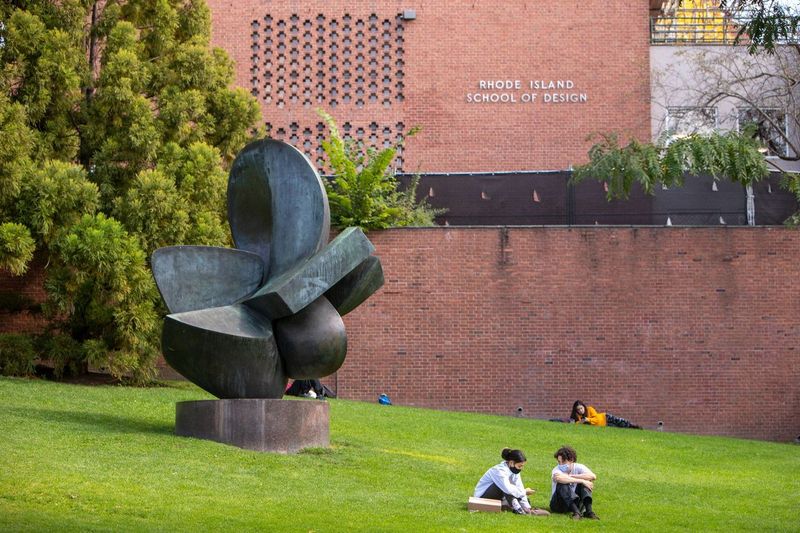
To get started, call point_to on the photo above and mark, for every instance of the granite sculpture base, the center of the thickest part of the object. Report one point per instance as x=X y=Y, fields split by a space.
x=283 y=426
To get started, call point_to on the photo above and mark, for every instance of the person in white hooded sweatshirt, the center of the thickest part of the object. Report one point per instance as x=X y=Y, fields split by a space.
x=503 y=482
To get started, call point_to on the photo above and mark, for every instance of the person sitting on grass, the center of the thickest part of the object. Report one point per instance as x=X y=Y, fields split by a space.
x=583 y=414
x=307 y=388
x=503 y=482
x=572 y=486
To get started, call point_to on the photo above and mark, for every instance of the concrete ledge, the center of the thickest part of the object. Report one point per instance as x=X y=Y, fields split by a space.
x=284 y=426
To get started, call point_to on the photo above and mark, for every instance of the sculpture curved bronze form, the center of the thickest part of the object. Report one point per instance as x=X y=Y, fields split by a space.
x=244 y=320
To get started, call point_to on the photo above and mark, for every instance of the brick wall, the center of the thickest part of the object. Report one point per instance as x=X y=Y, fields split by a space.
x=694 y=327
x=297 y=56
x=21 y=297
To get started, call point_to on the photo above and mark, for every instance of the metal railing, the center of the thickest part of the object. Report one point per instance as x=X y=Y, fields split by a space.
x=693 y=26
x=711 y=25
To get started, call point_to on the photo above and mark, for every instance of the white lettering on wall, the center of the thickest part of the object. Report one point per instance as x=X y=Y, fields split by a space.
x=512 y=91
x=499 y=84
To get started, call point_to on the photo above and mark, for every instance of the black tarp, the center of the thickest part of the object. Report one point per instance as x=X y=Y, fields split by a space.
x=547 y=198
x=773 y=204
x=697 y=203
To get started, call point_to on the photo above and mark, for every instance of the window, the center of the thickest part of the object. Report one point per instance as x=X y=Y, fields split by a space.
x=770 y=128
x=682 y=121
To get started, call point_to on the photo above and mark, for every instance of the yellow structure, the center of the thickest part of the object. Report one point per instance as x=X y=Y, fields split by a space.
x=692 y=21
x=701 y=21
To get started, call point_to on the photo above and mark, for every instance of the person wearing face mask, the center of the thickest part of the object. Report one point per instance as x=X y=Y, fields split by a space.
x=572 y=486
x=503 y=482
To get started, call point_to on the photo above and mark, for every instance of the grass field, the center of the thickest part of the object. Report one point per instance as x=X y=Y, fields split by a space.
x=77 y=458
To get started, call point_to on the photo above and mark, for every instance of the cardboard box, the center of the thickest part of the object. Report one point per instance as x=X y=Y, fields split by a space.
x=483 y=504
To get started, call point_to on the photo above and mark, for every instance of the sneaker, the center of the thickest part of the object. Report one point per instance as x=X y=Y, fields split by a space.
x=590 y=515
x=539 y=512
x=576 y=516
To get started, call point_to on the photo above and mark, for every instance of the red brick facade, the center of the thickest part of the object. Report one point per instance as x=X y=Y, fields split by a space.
x=379 y=75
x=694 y=327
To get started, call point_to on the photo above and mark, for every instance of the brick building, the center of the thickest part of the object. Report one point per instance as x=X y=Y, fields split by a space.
x=507 y=96
x=495 y=86
x=702 y=81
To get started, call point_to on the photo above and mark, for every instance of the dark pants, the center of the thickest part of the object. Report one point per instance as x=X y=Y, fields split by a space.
x=618 y=421
x=563 y=501
x=494 y=493
x=302 y=386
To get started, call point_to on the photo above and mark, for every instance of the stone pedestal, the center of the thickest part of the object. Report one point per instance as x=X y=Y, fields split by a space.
x=284 y=426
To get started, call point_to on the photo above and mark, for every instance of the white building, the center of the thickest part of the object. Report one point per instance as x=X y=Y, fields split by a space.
x=702 y=81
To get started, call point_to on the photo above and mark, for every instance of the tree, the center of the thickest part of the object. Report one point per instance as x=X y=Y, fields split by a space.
x=734 y=156
x=363 y=190
x=117 y=122
x=758 y=89
x=764 y=23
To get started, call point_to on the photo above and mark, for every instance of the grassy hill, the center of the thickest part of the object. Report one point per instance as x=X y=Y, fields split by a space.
x=77 y=458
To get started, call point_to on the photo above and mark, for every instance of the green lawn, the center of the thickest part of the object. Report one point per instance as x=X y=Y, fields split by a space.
x=105 y=459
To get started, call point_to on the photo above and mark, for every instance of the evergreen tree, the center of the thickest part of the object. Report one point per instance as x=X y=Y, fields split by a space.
x=117 y=123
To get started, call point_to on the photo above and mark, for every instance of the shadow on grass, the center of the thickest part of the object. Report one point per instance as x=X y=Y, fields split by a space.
x=101 y=422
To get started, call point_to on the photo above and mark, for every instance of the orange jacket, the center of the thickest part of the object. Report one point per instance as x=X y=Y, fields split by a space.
x=593 y=417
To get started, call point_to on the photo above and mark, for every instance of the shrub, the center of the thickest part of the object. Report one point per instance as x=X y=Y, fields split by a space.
x=17 y=354
x=65 y=354
x=364 y=191
x=101 y=293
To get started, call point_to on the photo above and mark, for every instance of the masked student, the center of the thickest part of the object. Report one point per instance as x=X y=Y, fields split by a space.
x=572 y=487
x=504 y=482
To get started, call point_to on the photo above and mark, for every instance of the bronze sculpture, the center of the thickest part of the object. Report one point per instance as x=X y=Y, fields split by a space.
x=242 y=321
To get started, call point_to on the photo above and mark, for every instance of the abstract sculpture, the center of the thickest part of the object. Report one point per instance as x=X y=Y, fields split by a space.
x=244 y=320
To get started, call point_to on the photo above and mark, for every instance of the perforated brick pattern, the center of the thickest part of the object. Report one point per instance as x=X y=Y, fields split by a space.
x=327 y=62
x=309 y=139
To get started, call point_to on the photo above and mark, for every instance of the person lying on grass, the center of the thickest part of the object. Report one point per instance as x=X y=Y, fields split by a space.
x=583 y=414
x=503 y=482
x=572 y=486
